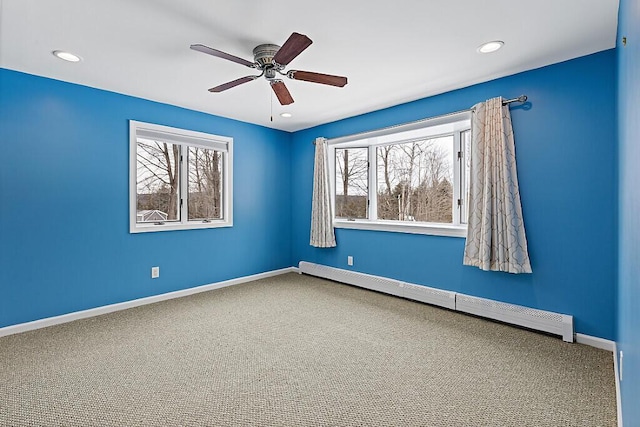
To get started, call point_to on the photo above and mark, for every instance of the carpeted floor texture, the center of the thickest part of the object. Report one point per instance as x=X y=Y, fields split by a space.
x=295 y=350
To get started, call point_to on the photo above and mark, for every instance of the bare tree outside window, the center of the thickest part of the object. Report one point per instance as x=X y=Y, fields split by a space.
x=158 y=180
x=352 y=187
x=205 y=183
x=415 y=180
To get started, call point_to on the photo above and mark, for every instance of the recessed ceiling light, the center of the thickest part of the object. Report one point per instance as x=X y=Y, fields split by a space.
x=67 y=56
x=285 y=115
x=490 y=46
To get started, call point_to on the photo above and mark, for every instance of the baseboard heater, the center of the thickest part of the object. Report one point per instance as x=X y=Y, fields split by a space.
x=540 y=320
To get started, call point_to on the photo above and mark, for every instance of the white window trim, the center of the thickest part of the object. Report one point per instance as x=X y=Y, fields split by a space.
x=432 y=229
x=377 y=138
x=185 y=138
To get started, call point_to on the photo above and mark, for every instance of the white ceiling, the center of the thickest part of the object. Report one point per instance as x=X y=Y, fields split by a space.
x=392 y=51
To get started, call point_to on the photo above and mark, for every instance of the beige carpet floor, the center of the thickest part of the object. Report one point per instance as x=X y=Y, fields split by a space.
x=295 y=350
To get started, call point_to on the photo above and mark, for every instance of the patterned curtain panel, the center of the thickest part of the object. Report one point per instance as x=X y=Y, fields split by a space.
x=322 y=234
x=495 y=237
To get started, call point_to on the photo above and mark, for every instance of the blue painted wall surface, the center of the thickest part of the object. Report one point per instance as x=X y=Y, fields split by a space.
x=64 y=237
x=565 y=144
x=629 y=237
x=64 y=231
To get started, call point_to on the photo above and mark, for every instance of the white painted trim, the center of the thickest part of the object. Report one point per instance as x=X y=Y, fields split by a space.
x=616 y=371
x=444 y=119
x=596 y=342
x=611 y=346
x=185 y=139
x=172 y=226
x=69 y=317
x=403 y=227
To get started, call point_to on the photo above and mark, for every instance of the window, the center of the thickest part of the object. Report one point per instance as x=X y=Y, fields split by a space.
x=179 y=179
x=352 y=182
x=410 y=178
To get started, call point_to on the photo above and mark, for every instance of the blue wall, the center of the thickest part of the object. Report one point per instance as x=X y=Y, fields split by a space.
x=629 y=231
x=64 y=231
x=64 y=237
x=566 y=152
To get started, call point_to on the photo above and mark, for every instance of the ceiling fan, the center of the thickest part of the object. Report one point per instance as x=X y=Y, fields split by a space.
x=272 y=60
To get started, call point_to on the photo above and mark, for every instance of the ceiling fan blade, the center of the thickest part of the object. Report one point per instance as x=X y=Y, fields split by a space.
x=220 y=54
x=294 y=45
x=325 y=79
x=234 y=83
x=281 y=92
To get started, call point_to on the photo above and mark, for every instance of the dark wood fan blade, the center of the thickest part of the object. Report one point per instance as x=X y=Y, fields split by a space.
x=294 y=45
x=234 y=83
x=325 y=79
x=220 y=54
x=281 y=92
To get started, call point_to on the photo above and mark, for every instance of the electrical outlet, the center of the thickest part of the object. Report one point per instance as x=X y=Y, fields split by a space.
x=620 y=364
x=155 y=272
x=349 y=260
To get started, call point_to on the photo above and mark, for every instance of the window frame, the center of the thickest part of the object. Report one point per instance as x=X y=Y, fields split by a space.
x=185 y=139
x=459 y=123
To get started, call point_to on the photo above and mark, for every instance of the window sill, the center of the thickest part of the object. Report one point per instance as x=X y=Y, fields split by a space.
x=403 y=227
x=147 y=228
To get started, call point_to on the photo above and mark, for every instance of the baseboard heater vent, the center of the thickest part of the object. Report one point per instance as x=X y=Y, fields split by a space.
x=429 y=295
x=546 y=321
x=432 y=296
x=540 y=320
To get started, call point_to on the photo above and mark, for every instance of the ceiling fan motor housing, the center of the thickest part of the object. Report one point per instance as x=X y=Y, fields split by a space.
x=264 y=53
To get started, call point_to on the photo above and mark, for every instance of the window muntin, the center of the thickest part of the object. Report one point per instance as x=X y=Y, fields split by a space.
x=418 y=179
x=179 y=179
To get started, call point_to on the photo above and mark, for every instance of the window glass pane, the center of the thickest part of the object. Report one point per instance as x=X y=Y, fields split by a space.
x=351 y=182
x=415 y=180
x=205 y=184
x=465 y=141
x=158 y=189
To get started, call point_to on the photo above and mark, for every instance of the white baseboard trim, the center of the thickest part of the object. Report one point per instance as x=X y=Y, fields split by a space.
x=612 y=347
x=616 y=369
x=69 y=317
x=596 y=342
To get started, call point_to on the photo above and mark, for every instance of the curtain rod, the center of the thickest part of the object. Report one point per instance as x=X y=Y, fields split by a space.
x=521 y=98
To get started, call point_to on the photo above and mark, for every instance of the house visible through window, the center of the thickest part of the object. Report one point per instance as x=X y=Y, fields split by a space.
x=179 y=179
x=410 y=178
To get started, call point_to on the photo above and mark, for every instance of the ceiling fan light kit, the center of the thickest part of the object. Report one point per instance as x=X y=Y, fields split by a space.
x=272 y=60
